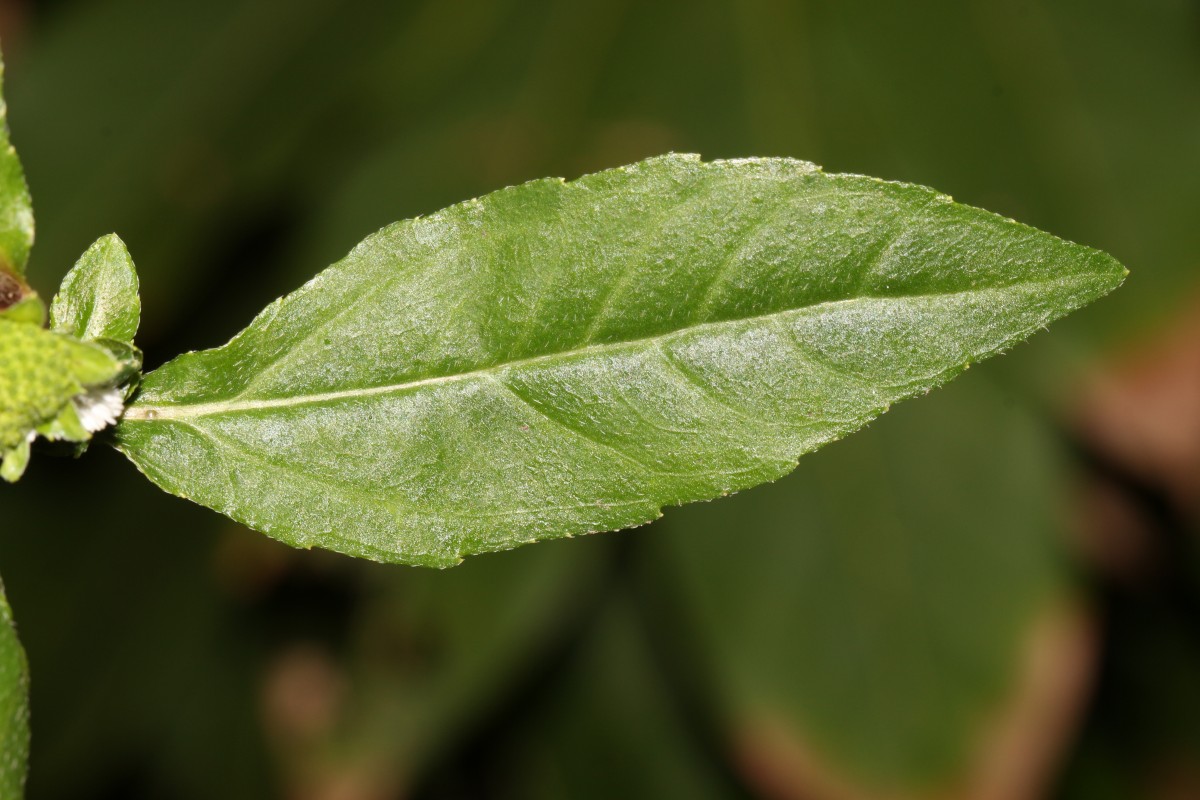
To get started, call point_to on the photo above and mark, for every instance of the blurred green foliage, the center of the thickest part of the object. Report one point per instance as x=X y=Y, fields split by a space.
x=859 y=644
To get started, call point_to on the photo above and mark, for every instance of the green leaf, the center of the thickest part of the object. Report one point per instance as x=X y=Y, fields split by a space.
x=16 y=215
x=610 y=724
x=561 y=358
x=478 y=629
x=99 y=297
x=16 y=210
x=14 y=707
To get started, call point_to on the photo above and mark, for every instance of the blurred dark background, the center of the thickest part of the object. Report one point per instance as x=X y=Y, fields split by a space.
x=993 y=592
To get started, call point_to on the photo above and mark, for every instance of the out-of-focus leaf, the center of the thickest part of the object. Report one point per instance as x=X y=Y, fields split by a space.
x=906 y=636
x=558 y=359
x=616 y=731
x=16 y=212
x=99 y=297
x=432 y=654
x=14 y=707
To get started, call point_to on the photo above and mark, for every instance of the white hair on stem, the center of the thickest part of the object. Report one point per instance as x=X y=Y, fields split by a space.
x=99 y=408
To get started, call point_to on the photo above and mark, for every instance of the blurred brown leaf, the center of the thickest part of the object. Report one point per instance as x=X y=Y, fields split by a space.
x=302 y=695
x=1143 y=411
x=1014 y=758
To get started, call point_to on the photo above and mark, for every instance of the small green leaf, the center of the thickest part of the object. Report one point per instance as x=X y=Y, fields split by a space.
x=14 y=460
x=16 y=211
x=561 y=358
x=99 y=297
x=14 y=707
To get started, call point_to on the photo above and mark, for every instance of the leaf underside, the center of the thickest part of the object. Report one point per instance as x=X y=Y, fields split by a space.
x=561 y=358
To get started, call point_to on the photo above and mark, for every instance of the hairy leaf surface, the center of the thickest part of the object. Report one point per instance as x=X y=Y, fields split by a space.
x=561 y=358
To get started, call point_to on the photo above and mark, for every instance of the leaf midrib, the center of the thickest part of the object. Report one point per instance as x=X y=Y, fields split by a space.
x=149 y=413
